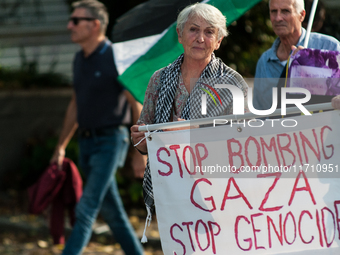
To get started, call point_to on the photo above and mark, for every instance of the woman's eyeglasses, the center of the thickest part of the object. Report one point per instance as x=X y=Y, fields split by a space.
x=76 y=20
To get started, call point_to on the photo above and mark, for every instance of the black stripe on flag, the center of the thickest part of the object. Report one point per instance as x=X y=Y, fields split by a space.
x=146 y=19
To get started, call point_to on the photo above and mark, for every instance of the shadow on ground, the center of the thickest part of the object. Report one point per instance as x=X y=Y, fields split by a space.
x=25 y=234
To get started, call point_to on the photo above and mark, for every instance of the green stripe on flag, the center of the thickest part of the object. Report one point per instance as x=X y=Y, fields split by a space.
x=167 y=49
x=233 y=9
x=164 y=52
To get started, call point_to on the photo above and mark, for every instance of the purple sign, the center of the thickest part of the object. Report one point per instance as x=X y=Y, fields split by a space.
x=315 y=70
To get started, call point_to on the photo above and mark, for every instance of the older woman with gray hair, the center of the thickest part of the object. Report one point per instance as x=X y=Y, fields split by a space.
x=174 y=92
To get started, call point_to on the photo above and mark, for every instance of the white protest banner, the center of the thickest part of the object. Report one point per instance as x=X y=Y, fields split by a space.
x=238 y=189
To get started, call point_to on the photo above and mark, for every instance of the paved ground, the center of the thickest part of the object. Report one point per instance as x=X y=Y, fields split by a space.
x=24 y=234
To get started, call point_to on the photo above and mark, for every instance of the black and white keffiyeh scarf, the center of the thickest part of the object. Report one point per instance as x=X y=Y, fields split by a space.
x=216 y=72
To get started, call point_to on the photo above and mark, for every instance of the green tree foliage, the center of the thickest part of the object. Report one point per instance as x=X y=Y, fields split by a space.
x=248 y=38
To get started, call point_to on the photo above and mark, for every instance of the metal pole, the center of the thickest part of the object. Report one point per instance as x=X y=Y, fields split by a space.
x=249 y=115
x=310 y=22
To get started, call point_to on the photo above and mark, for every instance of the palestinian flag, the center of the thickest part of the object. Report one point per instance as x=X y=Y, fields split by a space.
x=145 y=38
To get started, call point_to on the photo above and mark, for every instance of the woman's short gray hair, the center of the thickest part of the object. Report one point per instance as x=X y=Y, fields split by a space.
x=209 y=13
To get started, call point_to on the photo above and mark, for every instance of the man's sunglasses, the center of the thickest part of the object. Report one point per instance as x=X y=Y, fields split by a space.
x=76 y=20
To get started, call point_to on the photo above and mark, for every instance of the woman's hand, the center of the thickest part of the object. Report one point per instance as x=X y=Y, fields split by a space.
x=136 y=136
